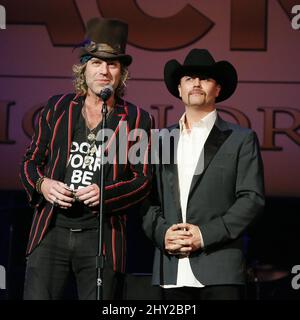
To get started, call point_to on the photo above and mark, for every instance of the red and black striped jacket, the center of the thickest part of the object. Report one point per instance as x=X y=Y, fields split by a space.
x=126 y=184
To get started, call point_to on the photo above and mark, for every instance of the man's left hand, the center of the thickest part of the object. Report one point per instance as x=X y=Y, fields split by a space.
x=192 y=243
x=89 y=195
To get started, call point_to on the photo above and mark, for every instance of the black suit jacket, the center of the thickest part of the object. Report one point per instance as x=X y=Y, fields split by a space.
x=126 y=184
x=223 y=201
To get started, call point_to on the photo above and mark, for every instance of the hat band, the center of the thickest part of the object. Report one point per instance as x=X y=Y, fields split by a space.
x=101 y=47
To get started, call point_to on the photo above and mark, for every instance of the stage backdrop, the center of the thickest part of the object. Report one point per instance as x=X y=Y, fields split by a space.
x=260 y=37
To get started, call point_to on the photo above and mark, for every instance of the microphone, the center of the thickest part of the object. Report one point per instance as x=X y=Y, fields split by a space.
x=106 y=92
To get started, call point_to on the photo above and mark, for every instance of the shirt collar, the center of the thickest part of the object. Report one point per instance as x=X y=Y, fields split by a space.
x=207 y=122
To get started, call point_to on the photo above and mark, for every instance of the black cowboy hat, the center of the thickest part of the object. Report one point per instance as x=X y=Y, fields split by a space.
x=106 y=39
x=200 y=61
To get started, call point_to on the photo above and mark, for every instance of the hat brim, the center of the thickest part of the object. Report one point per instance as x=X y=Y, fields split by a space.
x=126 y=59
x=223 y=72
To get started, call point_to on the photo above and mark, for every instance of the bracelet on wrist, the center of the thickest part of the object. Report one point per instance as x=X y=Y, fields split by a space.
x=38 y=184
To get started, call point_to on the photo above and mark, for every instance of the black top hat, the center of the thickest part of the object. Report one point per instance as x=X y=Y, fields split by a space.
x=106 y=39
x=200 y=61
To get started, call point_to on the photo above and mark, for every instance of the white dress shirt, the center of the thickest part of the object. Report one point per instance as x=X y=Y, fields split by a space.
x=189 y=152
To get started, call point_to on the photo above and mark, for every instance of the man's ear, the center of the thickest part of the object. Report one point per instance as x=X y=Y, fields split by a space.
x=218 y=90
x=179 y=90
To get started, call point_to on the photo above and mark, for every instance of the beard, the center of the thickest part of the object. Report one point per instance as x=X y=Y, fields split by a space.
x=200 y=101
x=197 y=100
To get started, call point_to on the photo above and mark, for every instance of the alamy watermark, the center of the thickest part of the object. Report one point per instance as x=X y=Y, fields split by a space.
x=296 y=19
x=2 y=17
x=137 y=146
x=296 y=278
x=2 y=278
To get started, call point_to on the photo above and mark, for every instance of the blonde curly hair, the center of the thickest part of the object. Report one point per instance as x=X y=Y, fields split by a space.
x=81 y=86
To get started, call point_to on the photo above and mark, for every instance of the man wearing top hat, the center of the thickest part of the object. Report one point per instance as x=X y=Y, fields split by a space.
x=60 y=172
x=210 y=192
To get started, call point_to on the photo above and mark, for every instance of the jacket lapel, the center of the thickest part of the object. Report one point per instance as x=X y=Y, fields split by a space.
x=172 y=170
x=73 y=114
x=67 y=114
x=113 y=123
x=219 y=133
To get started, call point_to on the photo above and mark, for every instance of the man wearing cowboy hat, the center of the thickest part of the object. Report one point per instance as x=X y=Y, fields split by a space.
x=60 y=172
x=210 y=192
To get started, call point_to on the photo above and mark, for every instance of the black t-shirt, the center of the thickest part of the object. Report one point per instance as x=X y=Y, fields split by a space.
x=80 y=174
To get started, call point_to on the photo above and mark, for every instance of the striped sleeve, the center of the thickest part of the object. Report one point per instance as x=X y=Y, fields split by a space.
x=32 y=167
x=125 y=194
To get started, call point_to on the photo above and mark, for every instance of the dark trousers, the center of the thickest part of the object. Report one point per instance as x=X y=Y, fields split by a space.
x=64 y=253
x=219 y=292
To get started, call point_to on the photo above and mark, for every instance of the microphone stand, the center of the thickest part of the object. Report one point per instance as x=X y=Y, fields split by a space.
x=100 y=257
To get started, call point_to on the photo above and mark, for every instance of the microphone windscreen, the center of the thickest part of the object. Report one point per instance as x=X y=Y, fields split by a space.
x=106 y=92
